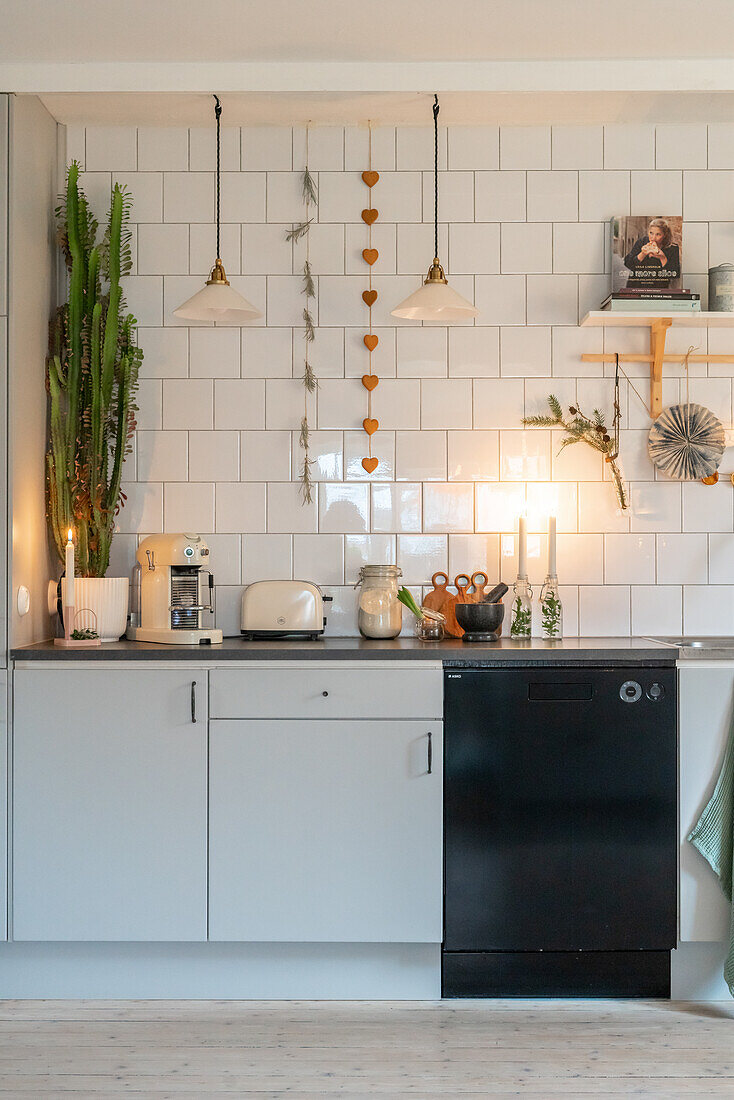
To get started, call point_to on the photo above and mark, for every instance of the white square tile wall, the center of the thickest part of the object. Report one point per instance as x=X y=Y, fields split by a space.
x=525 y=213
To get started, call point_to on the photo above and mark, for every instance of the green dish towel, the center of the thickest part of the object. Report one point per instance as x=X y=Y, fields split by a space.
x=713 y=836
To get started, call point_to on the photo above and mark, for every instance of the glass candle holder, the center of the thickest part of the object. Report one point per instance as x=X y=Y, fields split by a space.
x=521 y=622
x=430 y=627
x=551 y=609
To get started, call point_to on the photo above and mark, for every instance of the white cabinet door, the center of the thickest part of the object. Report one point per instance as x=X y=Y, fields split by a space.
x=706 y=701
x=109 y=804
x=325 y=831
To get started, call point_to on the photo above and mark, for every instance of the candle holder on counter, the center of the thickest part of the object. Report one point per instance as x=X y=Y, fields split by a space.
x=78 y=637
x=521 y=623
x=551 y=609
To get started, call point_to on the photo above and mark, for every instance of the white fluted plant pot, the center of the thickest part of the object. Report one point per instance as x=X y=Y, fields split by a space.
x=103 y=597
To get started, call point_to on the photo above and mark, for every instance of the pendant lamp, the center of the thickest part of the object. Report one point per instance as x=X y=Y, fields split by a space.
x=435 y=300
x=217 y=300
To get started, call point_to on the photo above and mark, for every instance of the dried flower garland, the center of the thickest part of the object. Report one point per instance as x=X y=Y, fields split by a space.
x=310 y=383
x=370 y=256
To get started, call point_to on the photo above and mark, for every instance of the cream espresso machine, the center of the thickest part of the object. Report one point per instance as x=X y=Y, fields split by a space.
x=170 y=571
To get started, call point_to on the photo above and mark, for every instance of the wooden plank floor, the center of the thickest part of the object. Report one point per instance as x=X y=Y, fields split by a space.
x=539 y=1050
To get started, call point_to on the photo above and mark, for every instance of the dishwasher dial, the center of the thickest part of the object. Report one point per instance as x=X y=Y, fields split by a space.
x=630 y=691
x=655 y=692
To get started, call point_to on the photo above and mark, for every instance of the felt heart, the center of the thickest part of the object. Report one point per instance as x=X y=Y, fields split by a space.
x=369 y=255
x=369 y=297
x=369 y=216
x=370 y=464
x=370 y=426
x=369 y=381
x=371 y=342
x=370 y=178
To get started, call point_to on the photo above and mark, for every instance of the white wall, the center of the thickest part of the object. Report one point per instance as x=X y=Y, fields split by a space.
x=524 y=212
x=32 y=253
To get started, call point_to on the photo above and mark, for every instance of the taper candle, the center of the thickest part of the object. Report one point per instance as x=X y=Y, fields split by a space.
x=552 y=546
x=522 y=547
x=70 y=594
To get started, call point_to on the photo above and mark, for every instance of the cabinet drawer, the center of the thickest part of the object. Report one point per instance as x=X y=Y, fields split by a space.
x=322 y=691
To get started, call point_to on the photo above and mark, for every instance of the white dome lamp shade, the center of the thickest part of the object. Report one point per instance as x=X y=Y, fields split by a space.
x=217 y=301
x=435 y=300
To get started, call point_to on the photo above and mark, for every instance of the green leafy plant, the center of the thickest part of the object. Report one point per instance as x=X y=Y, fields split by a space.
x=84 y=635
x=406 y=598
x=91 y=378
x=550 y=607
x=584 y=429
x=521 y=619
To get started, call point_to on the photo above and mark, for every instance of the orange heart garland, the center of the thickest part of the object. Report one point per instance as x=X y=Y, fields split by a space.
x=370 y=216
x=370 y=465
x=369 y=381
x=370 y=255
x=371 y=341
x=370 y=425
x=370 y=178
x=369 y=297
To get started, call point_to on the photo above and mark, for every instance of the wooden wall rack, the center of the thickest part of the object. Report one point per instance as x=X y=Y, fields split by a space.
x=658 y=323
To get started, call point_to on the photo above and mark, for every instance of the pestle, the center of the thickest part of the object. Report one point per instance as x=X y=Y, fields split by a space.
x=495 y=594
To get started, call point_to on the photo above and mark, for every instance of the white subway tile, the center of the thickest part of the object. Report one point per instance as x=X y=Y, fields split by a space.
x=629 y=559
x=473 y=148
x=163 y=149
x=396 y=507
x=344 y=507
x=695 y=247
x=456 y=197
x=325 y=353
x=342 y=403
x=474 y=553
x=721 y=559
x=163 y=249
x=326 y=452
x=97 y=186
x=149 y=399
x=720 y=145
x=713 y=394
x=599 y=510
x=347 y=244
x=628 y=145
x=267 y=558
x=399 y=198
x=448 y=507
x=325 y=148
x=552 y=299
x=498 y=402
x=655 y=506
x=604 y=612
x=340 y=300
x=580 y=559
x=420 y=456
x=188 y=404
x=415 y=247
x=240 y=506
x=267 y=353
x=266 y=149
x=474 y=248
x=243 y=197
x=682 y=559
x=239 y=404
x=396 y=403
x=577 y=462
x=498 y=506
x=415 y=148
x=144 y=298
x=567 y=347
x=319 y=558
x=286 y=301
x=527 y=248
x=559 y=499
x=707 y=195
x=284 y=404
x=363 y=549
x=420 y=556
x=266 y=456
x=357 y=356
x=165 y=352
x=146 y=192
x=525 y=455
x=575 y=147
x=227 y=601
x=473 y=456
x=537 y=560
x=500 y=299
x=474 y=352
x=111 y=148
x=525 y=147
x=214 y=456
x=143 y=508
x=356 y=448
x=525 y=351
x=657 y=610
x=265 y=250
x=214 y=353
x=188 y=197
x=500 y=196
x=188 y=507
x=288 y=513
x=422 y=353
x=603 y=195
x=226 y=563
x=720 y=242
x=203 y=148
x=634 y=459
x=162 y=456
x=76 y=145
x=446 y=403
x=579 y=248
x=593 y=289
x=708 y=609
x=681 y=145
x=357 y=147
x=203 y=248
x=553 y=196
x=537 y=391
x=657 y=191
x=284 y=193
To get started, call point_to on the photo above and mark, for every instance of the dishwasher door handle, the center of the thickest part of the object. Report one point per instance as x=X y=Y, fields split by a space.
x=429 y=759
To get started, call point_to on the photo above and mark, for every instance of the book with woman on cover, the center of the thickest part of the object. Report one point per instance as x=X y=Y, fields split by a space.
x=647 y=253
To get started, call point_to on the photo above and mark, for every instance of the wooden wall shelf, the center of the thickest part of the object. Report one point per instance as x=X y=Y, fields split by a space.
x=658 y=323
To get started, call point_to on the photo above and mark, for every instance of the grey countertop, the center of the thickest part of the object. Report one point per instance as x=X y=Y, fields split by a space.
x=577 y=651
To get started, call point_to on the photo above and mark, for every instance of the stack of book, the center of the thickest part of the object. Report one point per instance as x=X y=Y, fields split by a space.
x=652 y=301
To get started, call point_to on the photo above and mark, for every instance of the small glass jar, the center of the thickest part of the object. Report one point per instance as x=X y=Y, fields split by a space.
x=430 y=628
x=551 y=609
x=379 y=611
x=521 y=623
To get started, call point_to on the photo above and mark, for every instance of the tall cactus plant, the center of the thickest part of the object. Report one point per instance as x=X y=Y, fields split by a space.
x=92 y=377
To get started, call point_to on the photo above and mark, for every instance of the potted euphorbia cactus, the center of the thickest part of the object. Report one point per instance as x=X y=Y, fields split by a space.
x=92 y=376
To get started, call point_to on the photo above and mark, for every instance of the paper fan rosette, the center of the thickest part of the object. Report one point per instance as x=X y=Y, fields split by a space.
x=686 y=442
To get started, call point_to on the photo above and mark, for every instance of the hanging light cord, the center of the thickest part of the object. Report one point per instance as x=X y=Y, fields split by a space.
x=435 y=174
x=218 y=115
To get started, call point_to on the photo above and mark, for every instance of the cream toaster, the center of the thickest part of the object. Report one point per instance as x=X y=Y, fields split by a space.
x=280 y=609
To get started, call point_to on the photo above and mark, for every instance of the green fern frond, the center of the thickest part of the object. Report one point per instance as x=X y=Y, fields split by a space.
x=310 y=381
x=298 y=231
x=309 y=331
x=555 y=406
x=309 y=288
x=310 y=191
x=540 y=421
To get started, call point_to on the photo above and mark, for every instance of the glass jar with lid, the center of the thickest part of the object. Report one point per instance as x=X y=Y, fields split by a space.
x=379 y=611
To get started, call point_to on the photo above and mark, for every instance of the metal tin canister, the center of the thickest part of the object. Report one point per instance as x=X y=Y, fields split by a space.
x=721 y=288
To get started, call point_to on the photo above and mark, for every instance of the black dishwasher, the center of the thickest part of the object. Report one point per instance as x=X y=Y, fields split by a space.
x=560 y=801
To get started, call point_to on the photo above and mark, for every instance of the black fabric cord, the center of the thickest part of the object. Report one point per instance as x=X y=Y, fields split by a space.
x=435 y=174
x=218 y=115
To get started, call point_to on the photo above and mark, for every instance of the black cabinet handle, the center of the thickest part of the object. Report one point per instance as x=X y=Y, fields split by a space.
x=324 y=693
x=193 y=700
x=429 y=769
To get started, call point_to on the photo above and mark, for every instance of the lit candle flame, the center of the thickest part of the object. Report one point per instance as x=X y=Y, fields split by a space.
x=70 y=536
